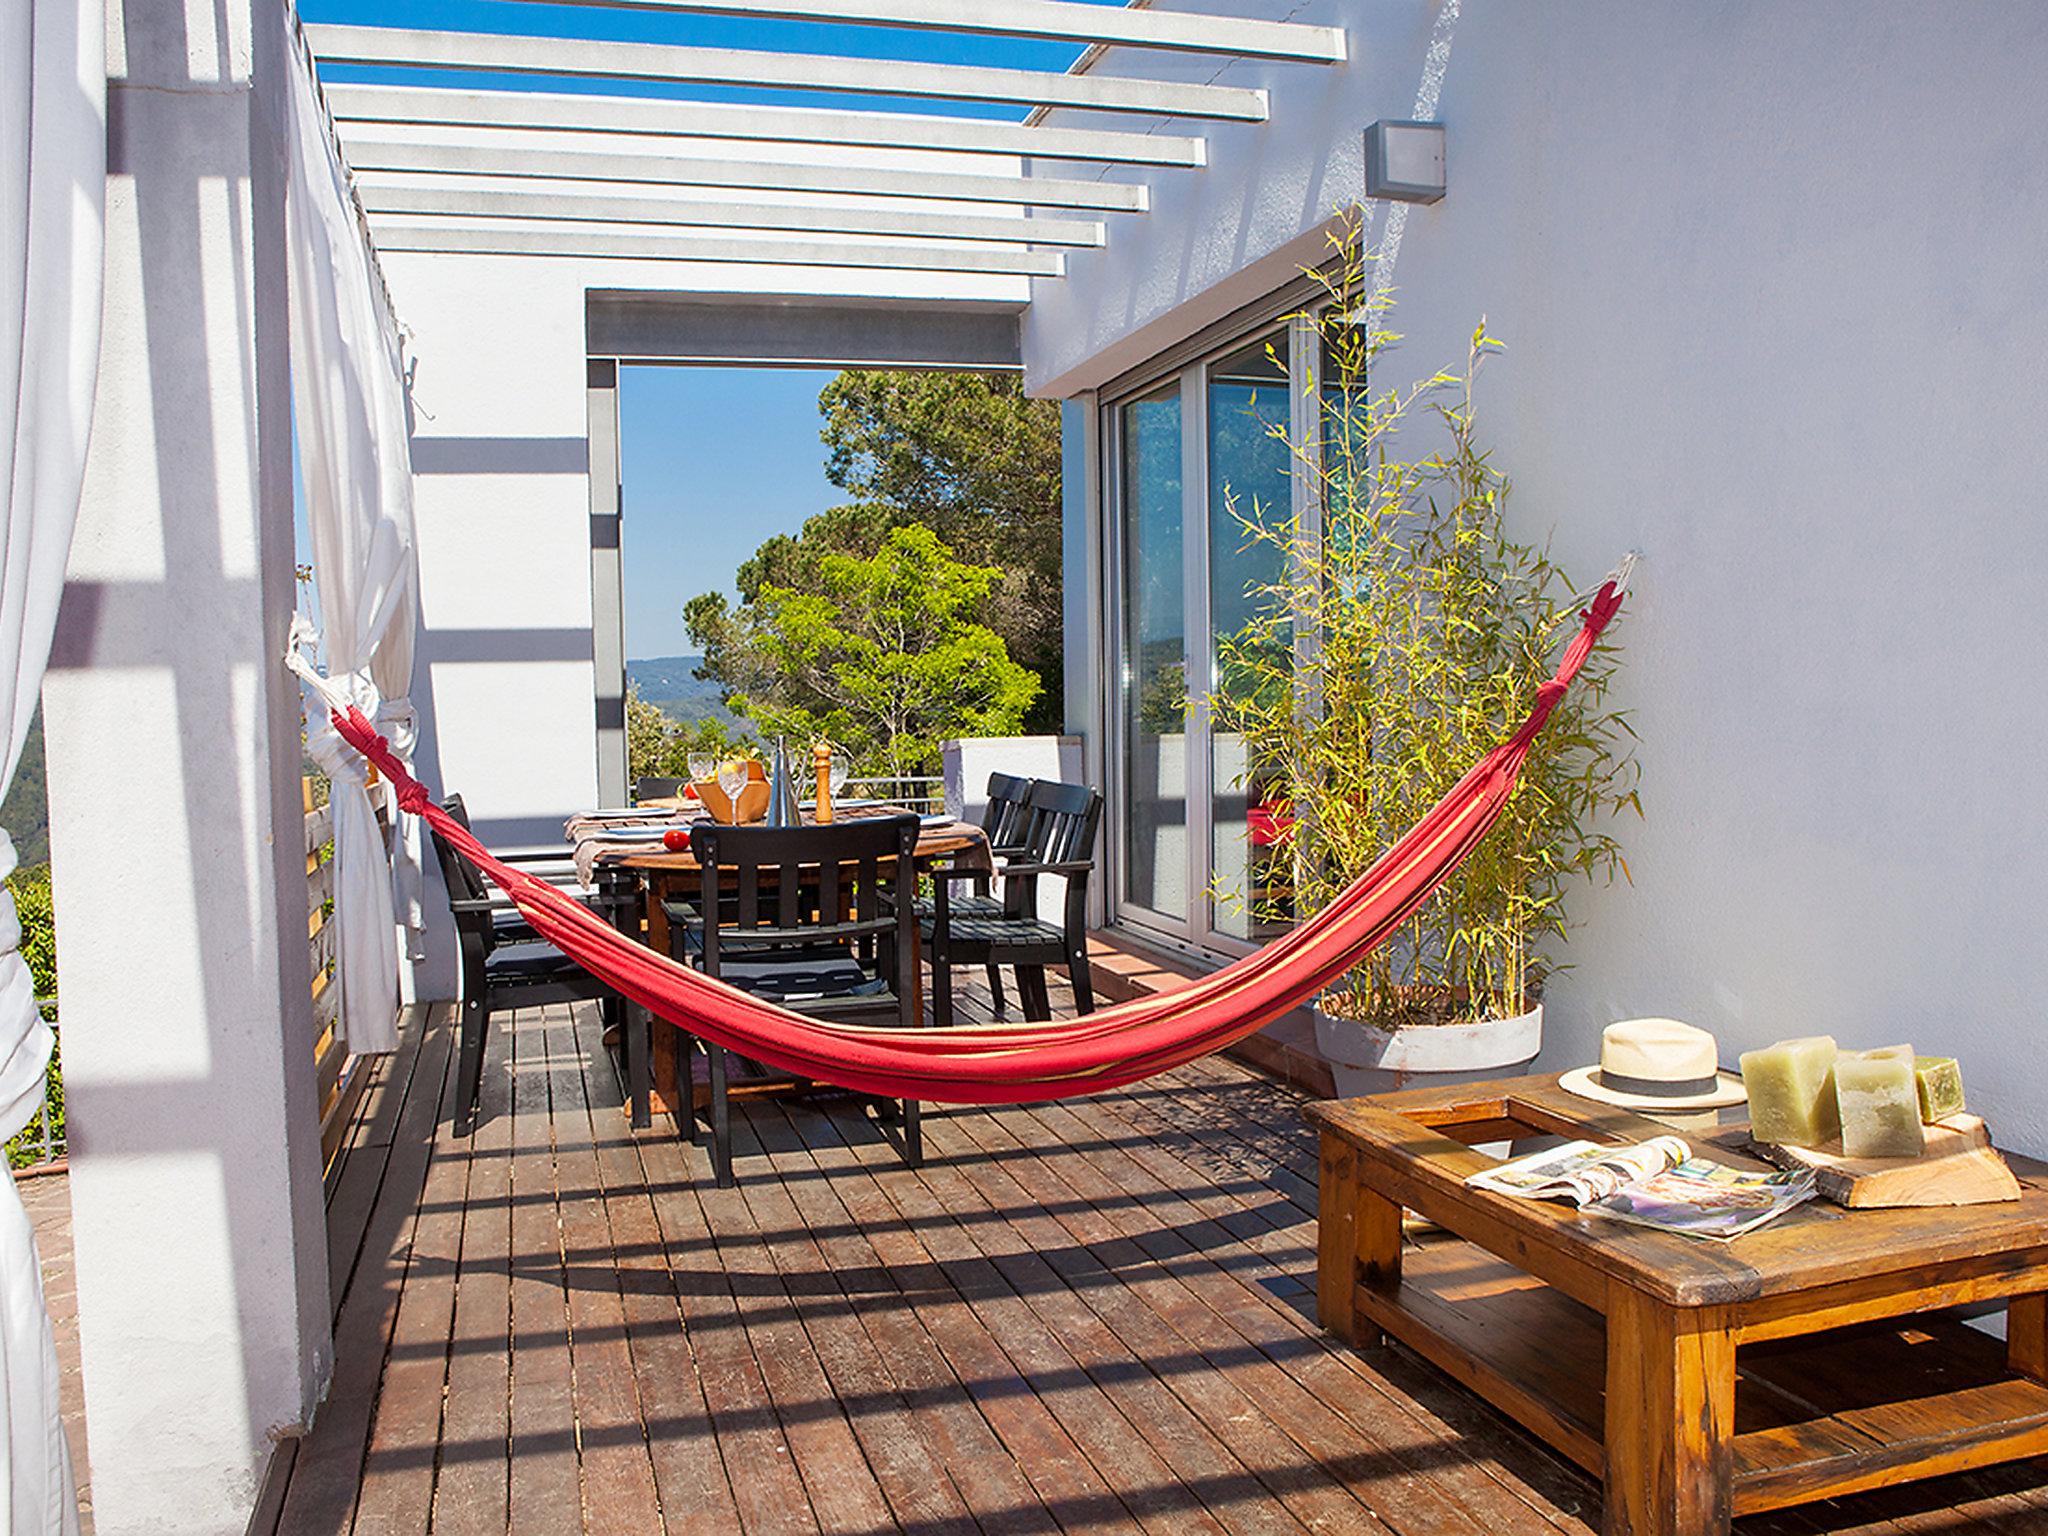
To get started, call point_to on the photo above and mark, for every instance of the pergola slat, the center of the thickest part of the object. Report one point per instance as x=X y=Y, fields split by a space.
x=754 y=175
x=656 y=117
x=1066 y=20
x=483 y=202
x=615 y=245
x=760 y=69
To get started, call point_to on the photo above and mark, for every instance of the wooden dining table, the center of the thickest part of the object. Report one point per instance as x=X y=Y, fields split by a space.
x=665 y=874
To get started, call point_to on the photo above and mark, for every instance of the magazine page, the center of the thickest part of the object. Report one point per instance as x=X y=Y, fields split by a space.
x=1703 y=1199
x=1582 y=1171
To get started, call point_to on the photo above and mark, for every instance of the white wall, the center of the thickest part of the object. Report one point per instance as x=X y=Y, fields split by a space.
x=1769 y=278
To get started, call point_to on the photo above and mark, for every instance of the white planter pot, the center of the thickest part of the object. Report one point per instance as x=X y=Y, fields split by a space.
x=1365 y=1059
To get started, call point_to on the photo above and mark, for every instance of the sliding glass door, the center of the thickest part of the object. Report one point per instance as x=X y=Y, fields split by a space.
x=1200 y=463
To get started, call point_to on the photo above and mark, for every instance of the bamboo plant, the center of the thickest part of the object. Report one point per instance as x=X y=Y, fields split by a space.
x=1389 y=655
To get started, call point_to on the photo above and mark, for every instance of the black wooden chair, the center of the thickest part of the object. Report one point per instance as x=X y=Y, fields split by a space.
x=506 y=965
x=1005 y=821
x=651 y=788
x=1061 y=825
x=816 y=919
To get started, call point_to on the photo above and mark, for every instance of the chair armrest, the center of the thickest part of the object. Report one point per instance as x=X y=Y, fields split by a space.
x=1068 y=867
x=798 y=938
x=553 y=871
x=595 y=900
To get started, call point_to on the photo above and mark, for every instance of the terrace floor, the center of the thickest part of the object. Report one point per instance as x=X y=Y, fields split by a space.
x=1087 y=1316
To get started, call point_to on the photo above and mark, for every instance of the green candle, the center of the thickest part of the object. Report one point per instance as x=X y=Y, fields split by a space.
x=1791 y=1087
x=1879 y=1101
x=1940 y=1082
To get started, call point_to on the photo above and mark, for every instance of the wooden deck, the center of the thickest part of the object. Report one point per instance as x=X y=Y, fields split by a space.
x=1087 y=1316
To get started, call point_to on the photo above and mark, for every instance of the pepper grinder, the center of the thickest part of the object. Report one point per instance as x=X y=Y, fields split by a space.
x=821 y=764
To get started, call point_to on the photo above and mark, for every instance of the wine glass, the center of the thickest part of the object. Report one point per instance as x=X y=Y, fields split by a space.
x=732 y=778
x=702 y=765
x=837 y=772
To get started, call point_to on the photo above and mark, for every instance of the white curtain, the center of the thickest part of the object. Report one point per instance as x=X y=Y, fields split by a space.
x=53 y=171
x=348 y=393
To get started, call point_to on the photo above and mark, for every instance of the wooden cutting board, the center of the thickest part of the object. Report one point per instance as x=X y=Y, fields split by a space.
x=1959 y=1167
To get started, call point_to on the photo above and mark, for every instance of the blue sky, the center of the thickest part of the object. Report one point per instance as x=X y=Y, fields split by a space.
x=710 y=31
x=715 y=460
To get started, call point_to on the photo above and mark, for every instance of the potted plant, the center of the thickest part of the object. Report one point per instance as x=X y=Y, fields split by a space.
x=1386 y=657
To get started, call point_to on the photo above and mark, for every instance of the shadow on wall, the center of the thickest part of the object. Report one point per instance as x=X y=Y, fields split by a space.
x=500 y=455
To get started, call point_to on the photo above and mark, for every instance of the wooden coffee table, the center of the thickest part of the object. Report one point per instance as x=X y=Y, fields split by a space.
x=1699 y=1380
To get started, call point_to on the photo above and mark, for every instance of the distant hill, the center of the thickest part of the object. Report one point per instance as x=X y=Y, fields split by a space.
x=26 y=813
x=670 y=684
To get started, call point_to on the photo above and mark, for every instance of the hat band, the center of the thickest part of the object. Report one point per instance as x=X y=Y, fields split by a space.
x=1659 y=1087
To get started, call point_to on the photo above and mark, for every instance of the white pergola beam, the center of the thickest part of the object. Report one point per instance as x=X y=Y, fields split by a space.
x=485 y=202
x=614 y=245
x=760 y=69
x=753 y=175
x=1065 y=20
x=659 y=118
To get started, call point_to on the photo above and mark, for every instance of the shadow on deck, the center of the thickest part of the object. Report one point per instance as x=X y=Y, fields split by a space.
x=1087 y=1316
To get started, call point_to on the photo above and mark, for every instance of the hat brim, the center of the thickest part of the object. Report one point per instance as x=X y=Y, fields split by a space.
x=1585 y=1082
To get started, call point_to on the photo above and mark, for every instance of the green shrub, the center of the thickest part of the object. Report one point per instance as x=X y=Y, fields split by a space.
x=31 y=889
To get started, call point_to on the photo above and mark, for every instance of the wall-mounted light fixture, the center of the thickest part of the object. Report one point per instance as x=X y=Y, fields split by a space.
x=1404 y=161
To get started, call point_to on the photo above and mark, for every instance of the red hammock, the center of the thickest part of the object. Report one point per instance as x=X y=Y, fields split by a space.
x=1015 y=1063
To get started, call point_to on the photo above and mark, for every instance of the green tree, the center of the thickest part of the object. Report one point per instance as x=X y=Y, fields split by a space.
x=660 y=747
x=883 y=654
x=968 y=456
x=965 y=455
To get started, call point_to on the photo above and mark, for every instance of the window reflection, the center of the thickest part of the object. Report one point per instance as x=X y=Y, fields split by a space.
x=1250 y=510
x=1155 y=820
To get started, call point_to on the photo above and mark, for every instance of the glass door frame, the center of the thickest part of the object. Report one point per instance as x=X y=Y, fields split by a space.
x=1198 y=930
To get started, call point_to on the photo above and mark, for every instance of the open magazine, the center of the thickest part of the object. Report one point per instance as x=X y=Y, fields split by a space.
x=1655 y=1183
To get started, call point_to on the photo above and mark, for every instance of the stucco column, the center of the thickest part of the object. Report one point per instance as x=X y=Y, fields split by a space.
x=174 y=762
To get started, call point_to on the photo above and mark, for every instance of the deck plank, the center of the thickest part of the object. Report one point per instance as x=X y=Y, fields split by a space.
x=885 y=1287
x=1092 y=1315
x=1002 y=1446
x=1117 y=1454
x=1095 y=1254
x=843 y=1492
x=397 y=1493
x=618 y=1472
x=320 y=1498
x=689 y=1474
x=366 y=1154
x=767 y=1491
x=909 y=1478
x=545 y=1492
x=472 y=1492
x=1133 y=1360
x=1423 y=1488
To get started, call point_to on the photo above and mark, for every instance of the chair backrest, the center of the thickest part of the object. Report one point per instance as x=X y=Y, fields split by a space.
x=1005 y=816
x=1062 y=822
x=848 y=884
x=462 y=879
x=651 y=788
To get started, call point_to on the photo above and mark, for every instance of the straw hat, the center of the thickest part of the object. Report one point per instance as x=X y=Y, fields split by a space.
x=1656 y=1064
